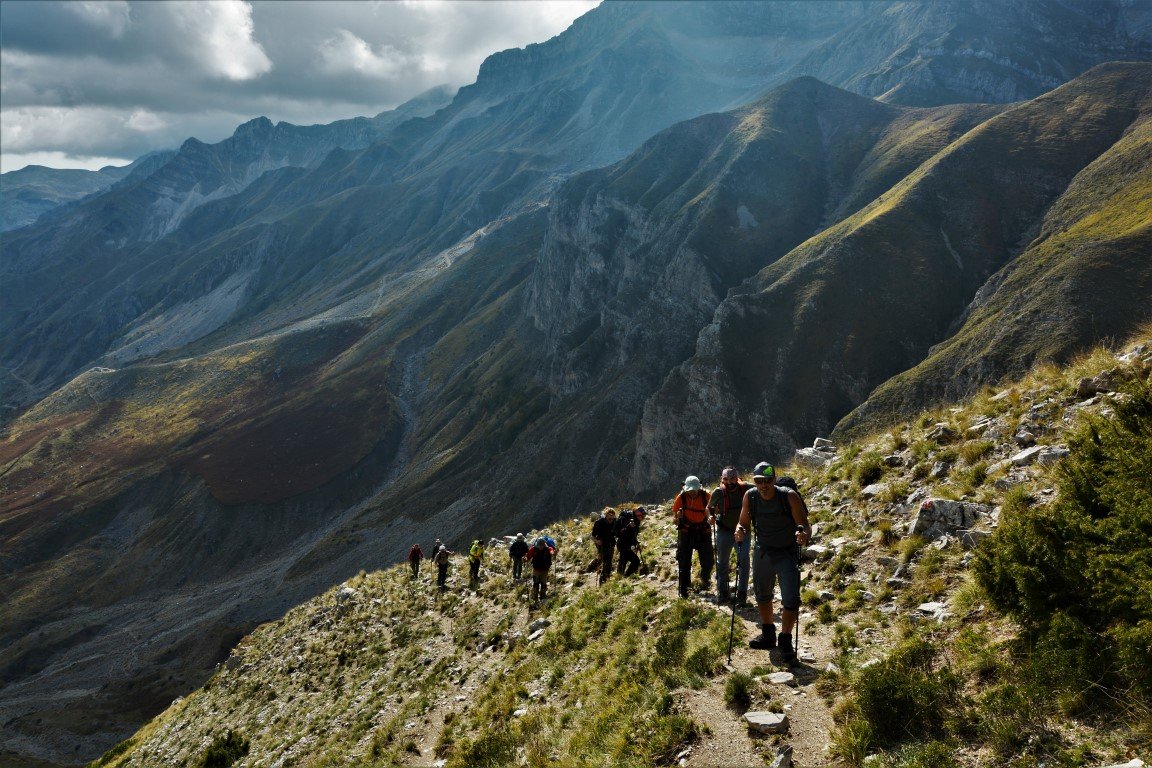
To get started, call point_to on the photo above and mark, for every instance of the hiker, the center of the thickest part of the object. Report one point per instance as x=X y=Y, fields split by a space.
x=435 y=547
x=780 y=521
x=441 y=558
x=516 y=550
x=627 y=530
x=725 y=505
x=415 y=555
x=603 y=533
x=693 y=532
x=475 y=556
x=540 y=555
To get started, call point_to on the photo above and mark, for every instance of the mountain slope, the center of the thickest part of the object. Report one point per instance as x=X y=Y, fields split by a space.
x=830 y=321
x=386 y=669
x=434 y=329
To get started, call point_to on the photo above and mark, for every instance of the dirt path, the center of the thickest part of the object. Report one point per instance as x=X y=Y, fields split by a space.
x=728 y=741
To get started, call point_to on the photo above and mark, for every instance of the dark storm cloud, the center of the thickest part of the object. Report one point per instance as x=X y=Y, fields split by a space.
x=118 y=79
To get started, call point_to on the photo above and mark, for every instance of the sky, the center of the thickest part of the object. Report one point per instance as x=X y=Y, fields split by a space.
x=85 y=84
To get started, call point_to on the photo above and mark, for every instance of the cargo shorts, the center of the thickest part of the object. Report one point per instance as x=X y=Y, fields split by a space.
x=770 y=564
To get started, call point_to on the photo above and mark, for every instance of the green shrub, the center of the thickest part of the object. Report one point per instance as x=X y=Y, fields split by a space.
x=738 y=691
x=1076 y=573
x=493 y=748
x=974 y=450
x=902 y=698
x=868 y=469
x=223 y=751
x=931 y=754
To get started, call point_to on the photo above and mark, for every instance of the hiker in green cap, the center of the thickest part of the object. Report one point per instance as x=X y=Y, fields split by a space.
x=780 y=521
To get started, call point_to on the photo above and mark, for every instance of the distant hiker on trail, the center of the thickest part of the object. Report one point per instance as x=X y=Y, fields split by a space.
x=435 y=548
x=603 y=533
x=517 y=550
x=780 y=521
x=415 y=555
x=540 y=555
x=475 y=556
x=693 y=532
x=442 y=556
x=725 y=505
x=627 y=530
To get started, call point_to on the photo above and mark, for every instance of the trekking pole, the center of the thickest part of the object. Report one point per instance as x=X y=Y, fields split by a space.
x=732 y=624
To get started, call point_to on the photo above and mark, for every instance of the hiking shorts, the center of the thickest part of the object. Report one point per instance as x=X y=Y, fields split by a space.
x=767 y=566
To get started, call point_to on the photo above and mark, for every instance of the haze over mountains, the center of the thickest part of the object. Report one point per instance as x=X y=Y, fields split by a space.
x=660 y=242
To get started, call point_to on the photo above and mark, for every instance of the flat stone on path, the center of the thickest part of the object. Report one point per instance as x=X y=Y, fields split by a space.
x=782 y=678
x=767 y=722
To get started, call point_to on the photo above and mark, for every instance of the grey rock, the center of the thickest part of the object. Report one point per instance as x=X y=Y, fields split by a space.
x=939 y=517
x=823 y=443
x=783 y=758
x=894 y=460
x=536 y=635
x=971 y=538
x=810 y=457
x=782 y=678
x=1133 y=763
x=1026 y=456
x=942 y=433
x=1025 y=438
x=345 y=594
x=815 y=551
x=767 y=722
x=539 y=624
x=1051 y=454
x=887 y=562
x=872 y=491
x=940 y=470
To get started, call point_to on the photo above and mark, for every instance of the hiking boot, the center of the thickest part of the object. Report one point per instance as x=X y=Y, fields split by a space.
x=765 y=641
x=785 y=645
x=723 y=598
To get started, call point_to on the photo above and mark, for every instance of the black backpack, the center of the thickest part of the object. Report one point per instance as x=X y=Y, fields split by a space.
x=623 y=521
x=788 y=482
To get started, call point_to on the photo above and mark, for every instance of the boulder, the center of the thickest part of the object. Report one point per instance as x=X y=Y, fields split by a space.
x=971 y=538
x=942 y=433
x=345 y=594
x=823 y=444
x=1025 y=457
x=872 y=491
x=940 y=470
x=810 y=457
x=940 y=517
x=767 y=722
x=893 y=460
x=1025 y=438
x=539 y=624
x=1133 y=763
x=1051 y=454
x=536 y=635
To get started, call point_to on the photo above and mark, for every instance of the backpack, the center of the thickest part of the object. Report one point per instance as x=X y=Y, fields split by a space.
x=695 y=517
x=788 y=482
x=476 y=551
x=542 y=559
x=626 y=518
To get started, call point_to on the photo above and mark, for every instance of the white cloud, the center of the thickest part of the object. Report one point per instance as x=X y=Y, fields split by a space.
x=220 y=34
x=345 y=53
x=143 y=120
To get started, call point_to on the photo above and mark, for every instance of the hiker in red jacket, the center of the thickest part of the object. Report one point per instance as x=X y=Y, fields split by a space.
x=694 y=532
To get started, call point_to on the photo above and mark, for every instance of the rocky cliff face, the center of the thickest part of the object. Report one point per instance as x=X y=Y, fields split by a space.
x=831 y=321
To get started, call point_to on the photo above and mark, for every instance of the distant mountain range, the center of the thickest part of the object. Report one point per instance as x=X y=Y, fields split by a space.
x=661 y=241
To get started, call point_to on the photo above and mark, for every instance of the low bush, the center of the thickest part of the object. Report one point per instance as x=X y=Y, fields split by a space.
x=738 y=691
x=224 y=750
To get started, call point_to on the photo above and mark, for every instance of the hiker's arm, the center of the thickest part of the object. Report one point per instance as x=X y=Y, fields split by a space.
x=800 y=516
x=745 y=521
x=677 y=503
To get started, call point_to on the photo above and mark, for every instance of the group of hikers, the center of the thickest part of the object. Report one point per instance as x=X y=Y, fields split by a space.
x=711 y=525
x=540 y=555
